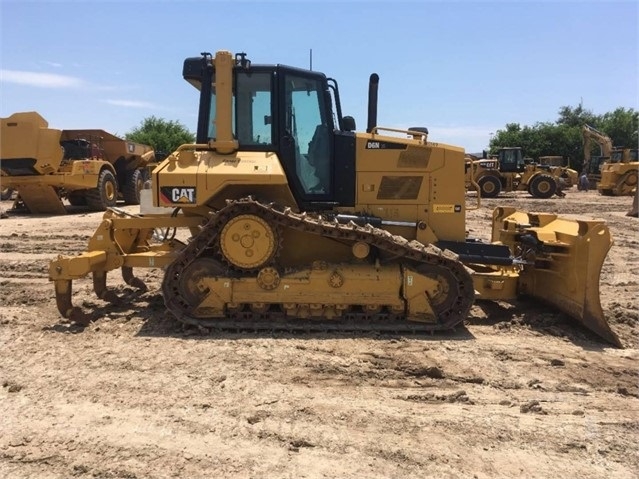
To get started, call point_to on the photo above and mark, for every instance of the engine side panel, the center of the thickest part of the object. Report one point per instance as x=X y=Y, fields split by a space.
x=401 y=179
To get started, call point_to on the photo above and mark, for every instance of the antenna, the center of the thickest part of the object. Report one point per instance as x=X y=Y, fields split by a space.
x=311 y=59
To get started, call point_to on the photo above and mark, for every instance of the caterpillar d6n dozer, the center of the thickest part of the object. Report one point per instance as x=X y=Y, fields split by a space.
x=298 y=222
x=87 y=167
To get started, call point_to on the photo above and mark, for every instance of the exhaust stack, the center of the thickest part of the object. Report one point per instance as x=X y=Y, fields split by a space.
x=373 y=83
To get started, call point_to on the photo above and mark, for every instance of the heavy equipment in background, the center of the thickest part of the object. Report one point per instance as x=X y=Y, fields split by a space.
x=87 y=167
x=298 y=222
x=593 y=164
x=559 y=167
x=619 y=173
x=508 y=171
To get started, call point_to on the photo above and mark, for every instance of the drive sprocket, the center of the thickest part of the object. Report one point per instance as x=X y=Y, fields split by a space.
x=248 y=242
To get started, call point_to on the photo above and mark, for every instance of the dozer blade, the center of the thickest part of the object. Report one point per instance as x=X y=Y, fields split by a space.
x=562 y=262
x=41 y=200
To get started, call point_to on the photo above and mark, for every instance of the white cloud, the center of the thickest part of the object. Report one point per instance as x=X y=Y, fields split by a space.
x=130 y=103
x=53 y=64
x=41 y=80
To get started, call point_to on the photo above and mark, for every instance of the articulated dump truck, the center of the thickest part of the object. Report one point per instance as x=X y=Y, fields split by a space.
x=298 y=222
x=87 y=167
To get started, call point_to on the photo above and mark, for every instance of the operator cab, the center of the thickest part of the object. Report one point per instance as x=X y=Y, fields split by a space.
x=287 y=111
x=511 y=160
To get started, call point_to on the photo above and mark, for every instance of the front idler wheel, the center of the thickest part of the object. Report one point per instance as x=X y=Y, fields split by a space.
x=189 y=282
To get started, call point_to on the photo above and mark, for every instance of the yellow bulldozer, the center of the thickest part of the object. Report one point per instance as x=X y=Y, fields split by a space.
x=87 y=167
x=509 y=170
x=298 y=222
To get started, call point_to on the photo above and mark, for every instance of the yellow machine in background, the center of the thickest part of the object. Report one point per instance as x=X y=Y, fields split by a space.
x=614 y=172
x=559 y=168
x=619 y=173
x=593 y=164
x=299 y=222
x=510 y=171
x=87 y=167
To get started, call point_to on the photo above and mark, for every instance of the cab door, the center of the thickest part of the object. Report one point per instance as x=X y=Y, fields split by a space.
x=306 y=131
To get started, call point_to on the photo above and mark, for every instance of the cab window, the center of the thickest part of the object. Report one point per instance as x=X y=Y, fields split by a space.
x=252 y=110
x=306 y=123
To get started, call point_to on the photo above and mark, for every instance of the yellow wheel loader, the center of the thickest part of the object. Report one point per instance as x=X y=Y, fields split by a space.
x=558 y=167
x=87 y=167
x=298 y=222
x=510 y=171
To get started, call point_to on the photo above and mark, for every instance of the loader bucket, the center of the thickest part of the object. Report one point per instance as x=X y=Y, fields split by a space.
x=562 y=261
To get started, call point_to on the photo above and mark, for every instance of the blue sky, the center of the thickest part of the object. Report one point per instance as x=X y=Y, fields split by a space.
x=464 y=69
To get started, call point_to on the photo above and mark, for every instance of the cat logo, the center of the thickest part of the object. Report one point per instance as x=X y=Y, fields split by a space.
x=177 y=194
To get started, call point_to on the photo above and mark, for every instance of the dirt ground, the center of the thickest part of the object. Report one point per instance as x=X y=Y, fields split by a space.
x=518 y=392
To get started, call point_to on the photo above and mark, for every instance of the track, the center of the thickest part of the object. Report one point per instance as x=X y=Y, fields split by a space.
x=418 y=257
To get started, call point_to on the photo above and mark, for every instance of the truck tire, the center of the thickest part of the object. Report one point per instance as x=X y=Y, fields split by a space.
x=132 y=187
x=489 y=186
x=543 y=186
x=105 y=194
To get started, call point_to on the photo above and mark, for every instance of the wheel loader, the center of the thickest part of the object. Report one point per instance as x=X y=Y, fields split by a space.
x=510 y=171
x=298 y=222
x=559 y=167
x=87 y=167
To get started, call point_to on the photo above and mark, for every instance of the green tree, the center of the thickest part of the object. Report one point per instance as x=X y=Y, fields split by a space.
x=621 y=126
x=576 y=116
x=163 y=135
x=564 y=138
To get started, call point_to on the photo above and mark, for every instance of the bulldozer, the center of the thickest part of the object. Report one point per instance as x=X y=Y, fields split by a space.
x=509 y=170
x=90 y=167
x=296 y=221
x=619 y=173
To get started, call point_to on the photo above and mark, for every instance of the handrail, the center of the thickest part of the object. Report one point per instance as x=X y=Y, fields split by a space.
x=376 y=129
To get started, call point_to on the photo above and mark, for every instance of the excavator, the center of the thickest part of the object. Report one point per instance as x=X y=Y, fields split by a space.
x=593 y=164
x=615 y=171
x=298 y=222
